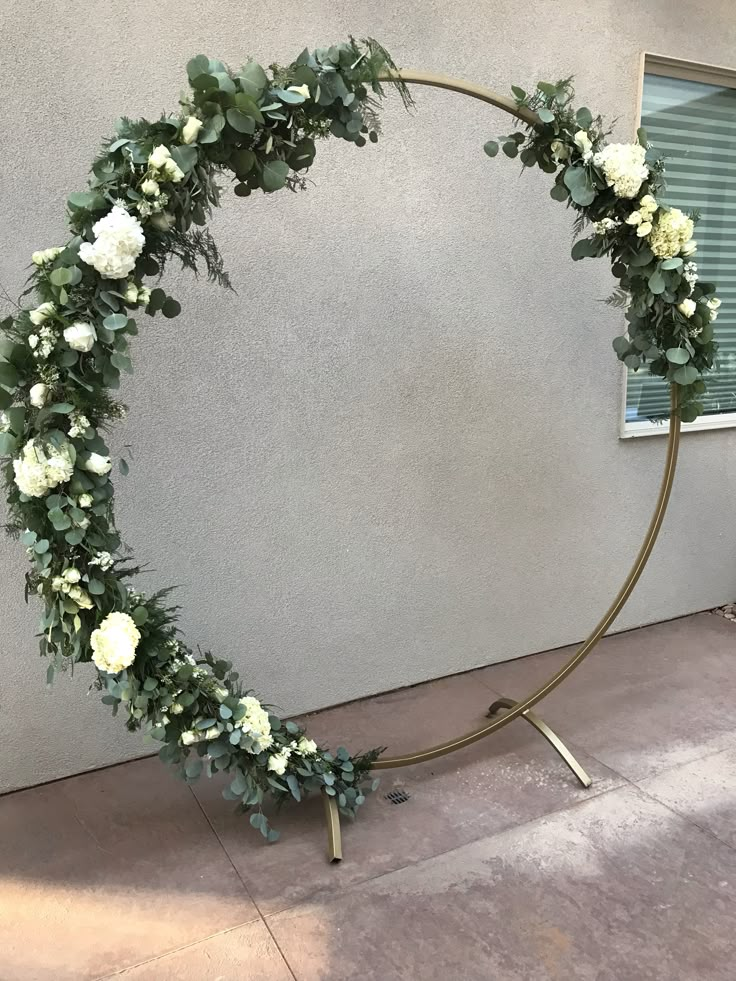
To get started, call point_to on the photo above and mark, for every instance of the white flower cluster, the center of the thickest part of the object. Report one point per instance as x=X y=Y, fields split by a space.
x=45 y=255
x=672 y=231
x=687 y=308
x=114 y=643
x=136 y=295
x=690 y=274
x=605 y=225
x=79 y=424
x=624 y=168
x=44 y=342
x=642 y=217
x=103 y=559
x=163 y=167
x=279 y=761
x=68 y=584
x=41 y=467
x=119 y=241
x=255 y=723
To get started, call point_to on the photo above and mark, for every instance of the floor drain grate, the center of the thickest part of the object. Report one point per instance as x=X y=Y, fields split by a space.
x=398 y=796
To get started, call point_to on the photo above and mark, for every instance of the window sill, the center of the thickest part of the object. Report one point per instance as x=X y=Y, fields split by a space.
x=726 y=420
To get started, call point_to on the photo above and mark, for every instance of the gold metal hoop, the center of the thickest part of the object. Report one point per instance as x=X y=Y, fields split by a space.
x=521 y=708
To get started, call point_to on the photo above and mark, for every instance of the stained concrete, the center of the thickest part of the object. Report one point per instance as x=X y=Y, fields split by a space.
x=498 y=866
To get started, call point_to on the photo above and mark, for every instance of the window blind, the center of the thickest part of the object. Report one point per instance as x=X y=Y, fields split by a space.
x=694 y=125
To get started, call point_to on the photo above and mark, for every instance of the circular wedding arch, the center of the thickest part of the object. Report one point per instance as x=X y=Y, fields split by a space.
x=151 y=190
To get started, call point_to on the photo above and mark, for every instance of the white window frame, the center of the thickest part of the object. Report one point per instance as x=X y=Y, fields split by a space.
x=656 y=64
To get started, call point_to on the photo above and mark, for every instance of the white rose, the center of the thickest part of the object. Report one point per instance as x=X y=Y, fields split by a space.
x=159 y=156
x=85 y=501
x=307 y=747
x=150 y=188
x=72 y=575
x=714 y=303
x=634 y=218
x=582 y=142
x=38 y=395
x=114 y=643
x=96 y=463
x=42 y=313
x=191 y=129
x=176 y=708
x=144 y=296
x=190 y=737
x=278 y=762
x=33 y=341
x=302 y=90
x=131 y=293
x=559 y=150
x=648 y=203
x=644 y=229
x=689 y=248
x=163 y=221
x=81 y=598
x=80 y=336
x=173 y=172
x=687 y=307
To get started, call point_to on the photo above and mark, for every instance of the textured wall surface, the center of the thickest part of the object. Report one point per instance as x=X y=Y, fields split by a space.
x=394 y=453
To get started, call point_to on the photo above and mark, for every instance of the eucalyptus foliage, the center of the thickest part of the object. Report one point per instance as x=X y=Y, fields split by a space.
x=260 y=128
x=653 y=290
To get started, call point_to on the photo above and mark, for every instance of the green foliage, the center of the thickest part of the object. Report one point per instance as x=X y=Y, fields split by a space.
x=674 y=342
x=261 y=129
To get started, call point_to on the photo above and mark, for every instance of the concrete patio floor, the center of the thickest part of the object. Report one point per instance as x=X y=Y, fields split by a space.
x=499 y=866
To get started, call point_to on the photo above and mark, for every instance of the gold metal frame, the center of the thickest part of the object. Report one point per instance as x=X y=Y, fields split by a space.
x=521 y=709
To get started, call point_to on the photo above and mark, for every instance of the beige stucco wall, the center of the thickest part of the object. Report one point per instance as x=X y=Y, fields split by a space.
x=394 y=454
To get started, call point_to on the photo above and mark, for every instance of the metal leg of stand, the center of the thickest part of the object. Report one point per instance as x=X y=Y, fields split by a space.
x=334 y=836
x=552 y=738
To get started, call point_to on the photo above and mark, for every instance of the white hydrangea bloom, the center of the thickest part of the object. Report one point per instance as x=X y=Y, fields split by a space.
x=623 y=166
x=672 y=230
x=119 y=241
x=114 y=643
x=255 y=723
x=41 y=468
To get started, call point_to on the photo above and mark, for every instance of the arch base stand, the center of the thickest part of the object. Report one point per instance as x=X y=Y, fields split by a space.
x=549 y=734
x=332 y=813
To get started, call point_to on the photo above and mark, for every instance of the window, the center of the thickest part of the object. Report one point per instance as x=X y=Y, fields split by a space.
x=689 y=112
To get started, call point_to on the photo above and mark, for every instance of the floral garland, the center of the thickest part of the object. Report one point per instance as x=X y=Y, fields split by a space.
x=617 y=188
x=151 y=189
